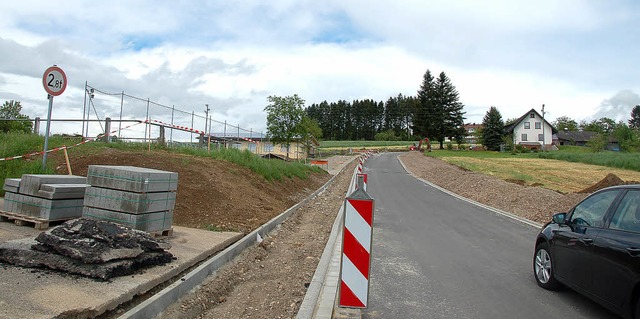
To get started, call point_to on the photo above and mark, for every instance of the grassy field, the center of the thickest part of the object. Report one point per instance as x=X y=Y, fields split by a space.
x=20 y=144
x=328 y=145
x=569 y=169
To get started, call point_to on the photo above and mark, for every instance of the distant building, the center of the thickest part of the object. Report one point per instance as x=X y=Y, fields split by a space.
x=472 y=130
x=531 y=131
x=576 y=138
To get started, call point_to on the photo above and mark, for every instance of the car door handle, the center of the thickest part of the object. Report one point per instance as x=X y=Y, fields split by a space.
x=633 y=251
x=586 y=241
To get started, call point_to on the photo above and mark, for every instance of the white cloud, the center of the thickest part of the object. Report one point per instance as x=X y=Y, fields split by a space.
x=231 y=55
x=618 y=107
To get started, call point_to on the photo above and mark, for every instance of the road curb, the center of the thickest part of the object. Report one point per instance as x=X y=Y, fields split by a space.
x=495 y=210
x=153 y=306
x=315 y=304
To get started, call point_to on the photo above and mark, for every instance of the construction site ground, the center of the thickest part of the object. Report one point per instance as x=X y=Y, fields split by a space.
x=269 y=280
x=217 y=203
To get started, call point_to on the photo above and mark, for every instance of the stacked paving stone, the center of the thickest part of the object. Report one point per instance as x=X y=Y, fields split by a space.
x=140 y=198
x=45 y=197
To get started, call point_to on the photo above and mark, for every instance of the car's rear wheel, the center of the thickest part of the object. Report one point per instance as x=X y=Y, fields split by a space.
x=543 y=268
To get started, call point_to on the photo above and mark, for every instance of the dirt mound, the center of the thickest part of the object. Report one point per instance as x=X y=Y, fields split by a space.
x=212 y=194
x=607 y=181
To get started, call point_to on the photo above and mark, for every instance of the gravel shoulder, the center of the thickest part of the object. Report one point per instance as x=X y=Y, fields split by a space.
x=270 y=280
x=534 y=203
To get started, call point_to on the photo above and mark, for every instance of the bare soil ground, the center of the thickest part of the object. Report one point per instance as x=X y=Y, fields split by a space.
x=212 y=194
x=269 y=280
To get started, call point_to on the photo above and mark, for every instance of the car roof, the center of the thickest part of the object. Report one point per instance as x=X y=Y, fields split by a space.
x=628 y=186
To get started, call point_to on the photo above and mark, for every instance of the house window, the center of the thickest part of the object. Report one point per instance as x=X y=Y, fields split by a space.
x=283 y=149
x=532 y=115
x=524 y=137
x=541 y=137
x=527 y=125
x=252 y=147
x=236 y=146
x=268 y=147
x=538 y=125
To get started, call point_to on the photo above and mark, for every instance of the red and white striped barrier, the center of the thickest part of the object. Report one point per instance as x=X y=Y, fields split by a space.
x=355 y=264
x=364 y=177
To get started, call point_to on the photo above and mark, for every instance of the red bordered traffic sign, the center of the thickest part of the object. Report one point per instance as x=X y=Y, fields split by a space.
x=54 y=80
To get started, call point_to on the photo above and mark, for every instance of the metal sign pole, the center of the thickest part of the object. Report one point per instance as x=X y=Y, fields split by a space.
x=46 y=134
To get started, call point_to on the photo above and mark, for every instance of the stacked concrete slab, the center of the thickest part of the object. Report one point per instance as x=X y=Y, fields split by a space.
x=45 y=197
x=140 y=198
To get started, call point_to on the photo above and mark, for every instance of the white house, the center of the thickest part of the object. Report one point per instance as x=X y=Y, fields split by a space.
x=531 y=131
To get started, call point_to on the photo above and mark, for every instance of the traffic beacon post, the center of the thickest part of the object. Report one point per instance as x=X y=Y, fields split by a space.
x=55 y=82
x=364 y=176
x=355 y=263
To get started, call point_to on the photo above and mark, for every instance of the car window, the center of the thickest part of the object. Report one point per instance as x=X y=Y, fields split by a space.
x=591 y=211
x=627 y=215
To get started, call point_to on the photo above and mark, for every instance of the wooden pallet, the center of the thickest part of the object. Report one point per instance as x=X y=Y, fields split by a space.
x=163 y=233
x=24 y=220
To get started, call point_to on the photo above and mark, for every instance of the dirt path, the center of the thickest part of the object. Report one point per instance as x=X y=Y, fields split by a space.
x=270 y=280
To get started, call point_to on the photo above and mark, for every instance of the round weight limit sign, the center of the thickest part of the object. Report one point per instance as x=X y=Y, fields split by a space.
x=54 y=81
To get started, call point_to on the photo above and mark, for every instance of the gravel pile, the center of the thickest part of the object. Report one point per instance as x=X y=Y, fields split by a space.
x=533 y=203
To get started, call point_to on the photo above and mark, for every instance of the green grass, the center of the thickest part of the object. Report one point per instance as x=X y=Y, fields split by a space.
x=576 y=154
x=12 y=144
x=623 y=160
x=270 y=169
x=364 y=144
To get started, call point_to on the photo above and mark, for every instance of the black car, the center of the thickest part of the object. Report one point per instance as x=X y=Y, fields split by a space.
x=595 y=250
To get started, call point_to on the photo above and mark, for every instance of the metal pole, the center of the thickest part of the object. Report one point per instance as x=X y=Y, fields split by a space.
x=192 y=115
x=121 y=105
x=206 y=116
x=173 y=108
x=225 y=134
x=46 y=134
x=84 y=107
x=148 y=124
x=543 y=127
x=209 y=136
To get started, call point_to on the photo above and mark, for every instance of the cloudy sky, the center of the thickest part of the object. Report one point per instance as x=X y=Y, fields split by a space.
x=579 y=58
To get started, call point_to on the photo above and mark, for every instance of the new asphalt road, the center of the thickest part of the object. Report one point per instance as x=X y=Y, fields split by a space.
x=436 y=256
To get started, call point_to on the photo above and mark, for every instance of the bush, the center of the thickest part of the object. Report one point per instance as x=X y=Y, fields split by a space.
x=598 y=143
x=387 y=135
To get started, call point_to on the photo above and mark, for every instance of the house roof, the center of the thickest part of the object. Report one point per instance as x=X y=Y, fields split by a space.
x=509 y=128
x=576 y=136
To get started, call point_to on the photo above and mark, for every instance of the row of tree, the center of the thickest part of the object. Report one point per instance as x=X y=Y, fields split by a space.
x=435 y=112
x=363 y=119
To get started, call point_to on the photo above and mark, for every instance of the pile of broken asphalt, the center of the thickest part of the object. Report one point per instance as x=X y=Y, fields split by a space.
x=86 y=247
x=44 y=293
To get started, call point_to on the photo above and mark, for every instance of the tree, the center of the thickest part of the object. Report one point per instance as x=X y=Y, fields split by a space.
x=11 y=110
x=603 y=125
x=493 y=130
x=449 y=117
x=634 y=122
x=564 y=123
x=439 y=112
x=309 y=131
x=627 y=137
x=284 y=115
x=424 y=111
